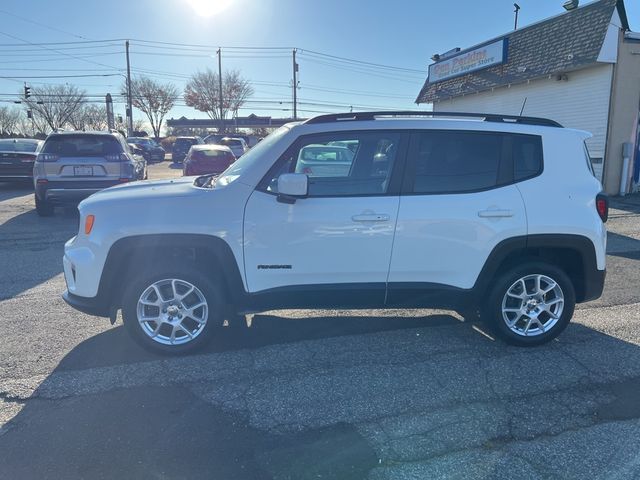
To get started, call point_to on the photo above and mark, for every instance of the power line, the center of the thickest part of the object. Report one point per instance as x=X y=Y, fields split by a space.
x=350 y=60
x=42 y=24
x=62 y=53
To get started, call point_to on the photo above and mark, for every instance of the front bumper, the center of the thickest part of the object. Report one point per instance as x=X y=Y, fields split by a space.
x=92 y=306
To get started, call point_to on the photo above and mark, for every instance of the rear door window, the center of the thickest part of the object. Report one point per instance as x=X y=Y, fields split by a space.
x=82 y=145
x=456 y=161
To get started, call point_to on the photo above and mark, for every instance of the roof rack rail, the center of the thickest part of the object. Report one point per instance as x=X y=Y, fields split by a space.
x=487 y=117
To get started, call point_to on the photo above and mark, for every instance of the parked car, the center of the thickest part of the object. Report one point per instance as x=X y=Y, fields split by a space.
x=324 y=161
x=72 y=165
x=181 y=147
x=17 y=156
x=214 y=138
x=151 y=151
x=141 y=162
x=497 y=214
x=207 y=159
x=237 y=145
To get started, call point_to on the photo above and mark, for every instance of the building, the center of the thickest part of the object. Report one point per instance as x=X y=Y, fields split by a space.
x=580 y=68
x=252 y=121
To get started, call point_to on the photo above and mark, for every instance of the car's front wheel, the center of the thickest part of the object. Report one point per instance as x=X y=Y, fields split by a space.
x=173 y=310
x=530 y=304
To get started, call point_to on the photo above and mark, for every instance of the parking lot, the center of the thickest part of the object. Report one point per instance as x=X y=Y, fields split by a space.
x=311 y=394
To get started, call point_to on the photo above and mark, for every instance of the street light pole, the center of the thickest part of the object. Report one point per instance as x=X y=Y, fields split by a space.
x=129 y=108
x=295 y=86
x=219 y=52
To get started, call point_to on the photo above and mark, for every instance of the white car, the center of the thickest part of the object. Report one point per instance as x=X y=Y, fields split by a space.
x=237 y=145
x=490 y=213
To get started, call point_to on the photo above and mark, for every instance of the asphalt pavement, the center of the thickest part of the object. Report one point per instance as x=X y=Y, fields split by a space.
x=407 y=394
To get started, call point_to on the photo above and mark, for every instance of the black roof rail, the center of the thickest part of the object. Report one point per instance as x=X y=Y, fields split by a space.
x=487 y=117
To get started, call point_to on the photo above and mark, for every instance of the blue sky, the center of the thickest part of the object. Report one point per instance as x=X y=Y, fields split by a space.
x=401 y=33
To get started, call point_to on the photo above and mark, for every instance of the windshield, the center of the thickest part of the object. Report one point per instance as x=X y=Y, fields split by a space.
x=248 y=159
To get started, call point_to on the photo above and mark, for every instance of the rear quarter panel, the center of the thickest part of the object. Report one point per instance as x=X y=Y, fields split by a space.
x=562 y=199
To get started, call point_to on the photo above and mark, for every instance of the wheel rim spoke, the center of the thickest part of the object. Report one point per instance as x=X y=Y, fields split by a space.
x=524 y=318
x=170 y=321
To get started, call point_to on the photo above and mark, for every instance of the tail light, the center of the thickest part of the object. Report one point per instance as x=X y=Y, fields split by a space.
x=26 y=158
x=47 y=157
x=602 y=206
x=117 y=157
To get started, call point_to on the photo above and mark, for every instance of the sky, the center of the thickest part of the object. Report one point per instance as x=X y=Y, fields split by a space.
x=257 y=38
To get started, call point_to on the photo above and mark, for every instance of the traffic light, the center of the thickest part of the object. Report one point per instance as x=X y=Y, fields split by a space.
x=29 y=114
x=27 y=91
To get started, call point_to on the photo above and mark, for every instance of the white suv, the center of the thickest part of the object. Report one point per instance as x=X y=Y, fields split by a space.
x=486 y=214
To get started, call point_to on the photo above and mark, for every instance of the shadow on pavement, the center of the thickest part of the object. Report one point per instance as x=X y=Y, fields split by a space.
x=620 y=245
x=15 y=189
x=32 y=247
x=115 y=346
x=166 y=429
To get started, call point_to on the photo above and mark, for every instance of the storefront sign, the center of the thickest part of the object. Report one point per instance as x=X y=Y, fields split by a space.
x=485 y=56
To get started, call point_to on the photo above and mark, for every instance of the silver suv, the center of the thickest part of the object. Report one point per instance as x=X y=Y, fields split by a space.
x=73 y=165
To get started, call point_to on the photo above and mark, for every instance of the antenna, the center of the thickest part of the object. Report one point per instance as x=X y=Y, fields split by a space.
x=523 y=104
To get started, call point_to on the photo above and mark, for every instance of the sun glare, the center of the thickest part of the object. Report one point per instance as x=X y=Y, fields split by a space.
x=208 y=8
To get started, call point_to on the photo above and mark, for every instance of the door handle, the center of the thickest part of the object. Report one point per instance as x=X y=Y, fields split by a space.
x=495 y=213
x=370 y=217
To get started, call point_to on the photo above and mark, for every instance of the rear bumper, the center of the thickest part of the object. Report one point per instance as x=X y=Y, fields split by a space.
x=15 y=178
x=92 y=306
x=72 y=191
x=20 y=172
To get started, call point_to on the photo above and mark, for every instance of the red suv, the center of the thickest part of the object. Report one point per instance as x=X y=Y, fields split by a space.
x=205 y=159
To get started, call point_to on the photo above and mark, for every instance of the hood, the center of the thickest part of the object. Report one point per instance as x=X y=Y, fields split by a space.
x=145 y=190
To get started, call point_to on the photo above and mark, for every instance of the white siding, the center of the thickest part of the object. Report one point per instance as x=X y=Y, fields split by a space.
x=580 y=102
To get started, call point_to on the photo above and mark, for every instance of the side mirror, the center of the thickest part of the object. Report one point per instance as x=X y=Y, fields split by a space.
x=292 y=186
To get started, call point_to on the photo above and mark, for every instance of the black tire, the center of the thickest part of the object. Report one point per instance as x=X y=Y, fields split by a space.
x=210 y=288
x=44 y=208
x=492 y=311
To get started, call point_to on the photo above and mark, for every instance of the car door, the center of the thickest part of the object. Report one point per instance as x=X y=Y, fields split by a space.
x=459 y=201
x=340 y=236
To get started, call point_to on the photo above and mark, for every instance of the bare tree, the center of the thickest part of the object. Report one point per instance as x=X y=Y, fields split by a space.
x=139 y=125
x=55 y=104
x=9 y=120
x=153 y=98
x=89 y=117
x=202 y=92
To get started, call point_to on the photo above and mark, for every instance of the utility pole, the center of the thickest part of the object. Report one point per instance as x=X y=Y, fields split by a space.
x=295 y=86
x=109 y=105
x=219 y=52
x=129 y=108
x=516 y=9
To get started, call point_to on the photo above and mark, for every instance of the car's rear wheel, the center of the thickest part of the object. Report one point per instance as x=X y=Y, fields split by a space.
x=530 y=304
x=44 y=208
x=173 y=310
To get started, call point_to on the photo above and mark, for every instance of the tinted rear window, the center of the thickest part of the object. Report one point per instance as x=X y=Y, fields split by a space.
x=211 y=153
x=17 y=146
x=456 y=162
x=231 y=143
x=527 y=156
x=82 y=145
x=184 y=142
